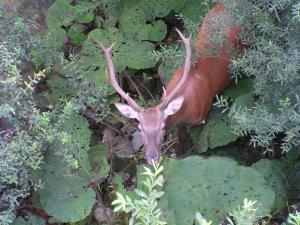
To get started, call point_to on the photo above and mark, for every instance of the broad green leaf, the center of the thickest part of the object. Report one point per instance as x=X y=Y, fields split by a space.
x=87 y=221
x=134 y=21
x=98 y=161
x=112 y=12
x=273 y=172
x=66 y=194
x=83 y=12
x=53 y=37
x=159 y=8
x=212 y=186
x=193 y=9
x=29 y=220
x=76 y=33
x=216 y=132
x=127 y=52
x=57 y=13
x=242 y=87
x=140 y=18
x=245 y=100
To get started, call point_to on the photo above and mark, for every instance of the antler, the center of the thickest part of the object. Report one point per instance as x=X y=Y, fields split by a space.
x=114 y=83
x=186 y=71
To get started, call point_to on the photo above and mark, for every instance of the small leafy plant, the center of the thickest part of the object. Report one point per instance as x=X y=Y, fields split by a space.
x=245 y=214
x=294 y=218
x=144 y=210
x=199 y=220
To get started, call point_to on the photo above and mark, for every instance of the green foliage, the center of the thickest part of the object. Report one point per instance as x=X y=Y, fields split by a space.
x=40 y=112
x=294 y=218
x=65 y=194
x=215 y=133
x=126 y=52
x=172 y=56
x=140 y=19
x=29 y=220
x=213 y=187
x=199 y=220
x=98 y=162
x=273 y=172
x=144 y=208
x=23 y=128
x=245 y=214
x=273 y=62
x=58 y=14
x=83 y=12
x=76 y=33
x=63 y=13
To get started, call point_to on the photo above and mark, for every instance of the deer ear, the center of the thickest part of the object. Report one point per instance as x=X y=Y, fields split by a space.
x=173 y=106
x=127 y=111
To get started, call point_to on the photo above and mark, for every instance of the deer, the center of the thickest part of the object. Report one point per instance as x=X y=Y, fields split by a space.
x=189 y=95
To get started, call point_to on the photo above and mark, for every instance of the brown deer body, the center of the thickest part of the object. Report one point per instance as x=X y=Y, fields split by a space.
x=189 y=94
x=210 y=74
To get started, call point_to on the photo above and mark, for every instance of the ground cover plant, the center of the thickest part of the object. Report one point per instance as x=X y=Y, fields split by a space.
x=67 y=155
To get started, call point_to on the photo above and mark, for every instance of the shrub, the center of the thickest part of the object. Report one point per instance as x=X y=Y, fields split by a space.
x=23 y=128
x=271 y=29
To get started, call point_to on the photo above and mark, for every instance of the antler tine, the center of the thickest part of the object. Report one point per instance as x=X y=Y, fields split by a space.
x=114 y=83
x=164 y=94
x=186 y=70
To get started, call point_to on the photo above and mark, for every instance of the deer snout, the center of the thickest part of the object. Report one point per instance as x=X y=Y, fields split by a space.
x=152 y=156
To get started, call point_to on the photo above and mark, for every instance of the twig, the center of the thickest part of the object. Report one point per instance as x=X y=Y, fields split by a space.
x=110 y=127
x=101 y=204
x=134 y=85
x=170 y=144
x=145 y=89
x=110 y=158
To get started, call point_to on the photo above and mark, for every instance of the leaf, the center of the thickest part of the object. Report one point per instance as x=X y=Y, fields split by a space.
x=294 y=181
x=240 y=88
x=57 y=13
x=65 y=194
x=273 y=172
x=112 y=13
x=60 y=88
x=35 y=199
x=213 y=187
x=53 y=37
x=83 y=12
x=215 y=133
x=193 y=9
x=246 y=100
x=87 y=221
x=62 y=13
x=118 y=180
x=134 y=21
x=29 y=220
x=141 y=19
x=76 y=33
x=126 y=52
x=98 y=161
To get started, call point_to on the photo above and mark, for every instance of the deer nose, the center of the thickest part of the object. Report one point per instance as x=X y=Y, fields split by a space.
x=153 y=157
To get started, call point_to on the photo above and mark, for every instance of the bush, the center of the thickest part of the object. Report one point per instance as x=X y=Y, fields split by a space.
x=271 y=29
x=23 y=128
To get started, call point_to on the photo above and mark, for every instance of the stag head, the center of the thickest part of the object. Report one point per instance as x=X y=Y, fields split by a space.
x=151 y=120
